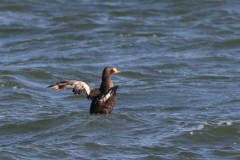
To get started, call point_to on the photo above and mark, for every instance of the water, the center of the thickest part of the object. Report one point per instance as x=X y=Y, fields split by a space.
x=179 y=94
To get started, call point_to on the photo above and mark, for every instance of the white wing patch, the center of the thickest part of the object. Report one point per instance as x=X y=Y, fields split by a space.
x=110 y=92
x=79 y=86
x=83 y=85
x=55 y=87
x=108 y=95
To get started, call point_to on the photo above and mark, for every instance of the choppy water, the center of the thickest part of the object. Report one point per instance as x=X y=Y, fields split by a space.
x=179 y=95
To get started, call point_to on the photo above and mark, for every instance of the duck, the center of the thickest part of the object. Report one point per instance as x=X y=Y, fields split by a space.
x=103 y=99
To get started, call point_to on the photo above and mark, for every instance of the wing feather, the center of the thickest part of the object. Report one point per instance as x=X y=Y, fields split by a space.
x=108 y=93
x=79 y=86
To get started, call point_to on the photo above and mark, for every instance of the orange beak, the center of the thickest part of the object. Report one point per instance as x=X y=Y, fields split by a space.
x=115 y=70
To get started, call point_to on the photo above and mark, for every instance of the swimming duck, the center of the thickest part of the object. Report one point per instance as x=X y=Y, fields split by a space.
x=103 y=99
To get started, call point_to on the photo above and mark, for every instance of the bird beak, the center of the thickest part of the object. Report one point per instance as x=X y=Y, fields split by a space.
x=115 y=70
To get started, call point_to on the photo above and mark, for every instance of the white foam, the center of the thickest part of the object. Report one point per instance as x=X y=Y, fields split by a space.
x=229 y=123
x=200 y=127
x=224 y=122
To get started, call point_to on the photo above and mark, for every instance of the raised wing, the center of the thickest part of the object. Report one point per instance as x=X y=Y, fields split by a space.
x=79 y=87
x=108 y=93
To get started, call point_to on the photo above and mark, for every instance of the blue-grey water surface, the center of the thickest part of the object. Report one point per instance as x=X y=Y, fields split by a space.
x=179 y=95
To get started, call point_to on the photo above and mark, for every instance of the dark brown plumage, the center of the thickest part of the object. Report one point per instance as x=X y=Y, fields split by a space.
x=103 y=99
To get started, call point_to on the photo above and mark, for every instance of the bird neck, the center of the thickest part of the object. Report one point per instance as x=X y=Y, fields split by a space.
x=106 y=83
